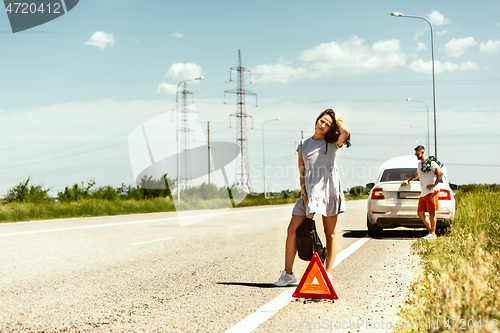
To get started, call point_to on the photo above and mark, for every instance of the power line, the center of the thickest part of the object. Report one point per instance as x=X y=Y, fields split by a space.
x=379 y=83
x=478 y=165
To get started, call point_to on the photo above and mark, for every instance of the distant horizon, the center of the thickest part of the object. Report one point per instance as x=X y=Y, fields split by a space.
x=71 y=97
x=346 y=190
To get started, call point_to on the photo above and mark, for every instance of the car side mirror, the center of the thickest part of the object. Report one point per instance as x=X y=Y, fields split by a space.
x=453 y=187
x=370 y=185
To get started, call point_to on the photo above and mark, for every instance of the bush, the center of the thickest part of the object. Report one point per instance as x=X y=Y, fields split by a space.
x=358 y=190
x=106 y=193
x=290 y=194
x=25 y=193
x=467 y=188
x=149 y=188
x=478 y=188
x=76 y=192
x=203 y=192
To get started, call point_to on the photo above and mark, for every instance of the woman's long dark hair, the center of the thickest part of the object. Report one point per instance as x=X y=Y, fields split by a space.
x=334 y=132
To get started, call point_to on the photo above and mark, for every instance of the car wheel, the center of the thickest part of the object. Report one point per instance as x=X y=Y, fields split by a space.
x=442 y=231
x=373 y=229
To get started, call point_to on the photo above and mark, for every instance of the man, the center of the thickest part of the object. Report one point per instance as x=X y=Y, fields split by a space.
x=429 y=198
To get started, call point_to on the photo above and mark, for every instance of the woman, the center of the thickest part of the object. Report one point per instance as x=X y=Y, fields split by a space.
x=320 y=187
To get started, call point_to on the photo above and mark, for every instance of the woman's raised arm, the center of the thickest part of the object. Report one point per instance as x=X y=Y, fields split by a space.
x=344 y=131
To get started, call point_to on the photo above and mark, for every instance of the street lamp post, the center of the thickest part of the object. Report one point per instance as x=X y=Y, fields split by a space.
x=177 y=129
x=416 y=100
x=426 y=133
x=264 y=155
x=396 y=14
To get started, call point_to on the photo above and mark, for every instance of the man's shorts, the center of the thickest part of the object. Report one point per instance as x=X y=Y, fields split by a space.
x=429 y=203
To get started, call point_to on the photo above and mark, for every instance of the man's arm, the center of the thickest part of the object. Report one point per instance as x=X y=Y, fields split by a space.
x=406 y=182
x=439 y=174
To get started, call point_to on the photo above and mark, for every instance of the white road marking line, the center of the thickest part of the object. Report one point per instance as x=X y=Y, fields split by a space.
x=271 y=308
x=152 y=241
x=239 y=226
x=136 y=222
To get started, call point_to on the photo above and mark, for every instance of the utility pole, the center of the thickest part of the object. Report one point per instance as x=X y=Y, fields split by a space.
x=208 y=144
x=185 y=129
x=186 y=161
x=242 y=169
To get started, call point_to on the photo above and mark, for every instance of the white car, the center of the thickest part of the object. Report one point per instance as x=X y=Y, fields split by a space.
x=391 y=205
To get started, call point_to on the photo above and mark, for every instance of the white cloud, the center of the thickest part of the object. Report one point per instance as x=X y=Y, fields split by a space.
x=101 y=40
x=457 y=46
x=418 y=34
x=437 y=18
x=491 y=46
x=177 y=35
x=350 y=57
x=179 y=72
x=469 y=65
x=277 y=73
x=440 y=33
x=166 y=88
x=354 y=56
x=420 y=66
x=421 y=46
x=444 y=67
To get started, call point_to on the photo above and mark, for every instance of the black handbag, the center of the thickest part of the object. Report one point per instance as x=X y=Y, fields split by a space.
x=309 y=242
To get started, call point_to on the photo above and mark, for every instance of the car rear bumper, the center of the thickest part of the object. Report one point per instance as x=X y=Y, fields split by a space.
x=405 y=215
x=409 y=222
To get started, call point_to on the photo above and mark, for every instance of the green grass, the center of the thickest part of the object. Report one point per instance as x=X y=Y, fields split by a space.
x=460 y=269
x=14 y=212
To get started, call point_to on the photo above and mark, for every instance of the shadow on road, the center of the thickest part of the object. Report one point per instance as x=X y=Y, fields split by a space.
x=248 y=284
x=354 y=233
x=403 y=234
x=395 y=234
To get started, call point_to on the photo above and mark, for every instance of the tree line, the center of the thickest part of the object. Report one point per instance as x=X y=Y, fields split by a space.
x=148 y=189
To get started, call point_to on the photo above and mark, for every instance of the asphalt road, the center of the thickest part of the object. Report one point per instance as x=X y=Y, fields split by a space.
x=146 y=273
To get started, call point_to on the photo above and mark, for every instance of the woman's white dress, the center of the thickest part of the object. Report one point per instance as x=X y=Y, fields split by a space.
x=322 y=180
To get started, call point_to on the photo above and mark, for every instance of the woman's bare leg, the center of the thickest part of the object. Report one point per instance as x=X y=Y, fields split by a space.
x=291 y=243
x=330 y=226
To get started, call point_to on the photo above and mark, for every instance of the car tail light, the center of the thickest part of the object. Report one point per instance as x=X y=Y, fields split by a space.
x=377 y=193
x=444 y=195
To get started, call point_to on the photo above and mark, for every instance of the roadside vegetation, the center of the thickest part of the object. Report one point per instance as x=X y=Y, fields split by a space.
x=459 y=288
x=26 y=201
x=357 y=193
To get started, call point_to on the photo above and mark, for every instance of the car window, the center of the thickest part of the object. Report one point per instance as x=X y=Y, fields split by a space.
x=399 y=174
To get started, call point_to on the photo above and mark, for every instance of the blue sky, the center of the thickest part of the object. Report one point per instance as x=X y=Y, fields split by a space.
x=73 y=89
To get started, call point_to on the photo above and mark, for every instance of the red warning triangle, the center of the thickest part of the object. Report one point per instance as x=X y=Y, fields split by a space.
x=323 y=288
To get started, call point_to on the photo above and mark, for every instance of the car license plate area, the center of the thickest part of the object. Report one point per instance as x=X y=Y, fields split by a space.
x=408 y=195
